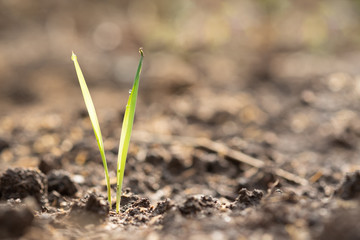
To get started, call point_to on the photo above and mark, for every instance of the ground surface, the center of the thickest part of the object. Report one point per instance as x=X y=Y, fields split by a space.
x=242 y=130
x=187 y=187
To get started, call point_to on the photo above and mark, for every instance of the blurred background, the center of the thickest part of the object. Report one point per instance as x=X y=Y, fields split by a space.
x=204 y=60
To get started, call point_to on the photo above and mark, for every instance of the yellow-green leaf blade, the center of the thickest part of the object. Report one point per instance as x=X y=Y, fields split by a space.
x=126 y=132
x=94 y=120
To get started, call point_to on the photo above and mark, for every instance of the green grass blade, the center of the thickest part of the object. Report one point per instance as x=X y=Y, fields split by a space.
x=126 y=132
x=94 y=121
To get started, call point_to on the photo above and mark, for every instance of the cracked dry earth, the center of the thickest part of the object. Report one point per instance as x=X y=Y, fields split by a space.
x=52 y=181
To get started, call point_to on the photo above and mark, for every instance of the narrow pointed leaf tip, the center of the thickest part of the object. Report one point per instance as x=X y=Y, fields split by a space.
x=141 y=51
x=73 y=56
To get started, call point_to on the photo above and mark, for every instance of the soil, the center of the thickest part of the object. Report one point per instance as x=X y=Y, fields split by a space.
x=174 y=190
x=241 y=132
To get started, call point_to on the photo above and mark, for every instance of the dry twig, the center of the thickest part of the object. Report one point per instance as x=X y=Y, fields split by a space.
x=220 y=149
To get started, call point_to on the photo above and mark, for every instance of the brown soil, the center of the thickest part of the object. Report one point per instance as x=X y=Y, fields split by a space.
x=242 y=130
x=176 y=189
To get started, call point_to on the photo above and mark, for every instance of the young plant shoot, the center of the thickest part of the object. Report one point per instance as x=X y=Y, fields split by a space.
x=125 y=131
x=94 y=121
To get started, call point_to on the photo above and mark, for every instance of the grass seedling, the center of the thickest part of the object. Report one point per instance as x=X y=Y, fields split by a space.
x=94 y=120
x=125 y=131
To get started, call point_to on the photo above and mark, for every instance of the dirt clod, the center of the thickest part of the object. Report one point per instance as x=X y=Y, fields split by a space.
x=14 y=221
x=48 y=163
x=143 y=202
x=162 y=207
x=59 y=180
x=89 y=210
x=3 y=144
x=246 y=199
x=154 y=158
x=175 y=166
x=350 y=188
x=194 y=205
x=21 y=183
x=128 y=197
x=138 y=212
